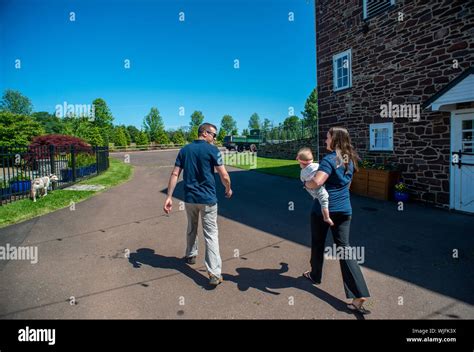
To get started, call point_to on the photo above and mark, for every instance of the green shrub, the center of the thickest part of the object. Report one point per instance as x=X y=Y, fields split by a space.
x=83 y=160
x=366 y=164
x=20 y=177
x=401 y=187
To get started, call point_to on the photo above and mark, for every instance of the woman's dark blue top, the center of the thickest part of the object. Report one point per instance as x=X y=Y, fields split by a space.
x=337 y=185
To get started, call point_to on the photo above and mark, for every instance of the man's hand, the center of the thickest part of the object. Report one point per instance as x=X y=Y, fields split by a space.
x=225 y=179
x=171 y=185
x=168 y=205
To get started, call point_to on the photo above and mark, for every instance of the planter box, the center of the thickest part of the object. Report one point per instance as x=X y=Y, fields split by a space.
x=5 y=193
x=400 y=196
x=89 y=169
x=80 y=171
x=374 y=183
x=20 y=186
x=66 y=175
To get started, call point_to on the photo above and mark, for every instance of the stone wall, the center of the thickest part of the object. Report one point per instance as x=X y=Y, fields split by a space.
x=403 y=62
x=287 y=150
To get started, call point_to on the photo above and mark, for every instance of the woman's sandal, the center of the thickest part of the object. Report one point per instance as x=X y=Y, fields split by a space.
x=360 y=309
x=307 y=275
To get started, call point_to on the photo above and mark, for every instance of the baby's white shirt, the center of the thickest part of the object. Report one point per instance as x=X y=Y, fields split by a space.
x=308 y=172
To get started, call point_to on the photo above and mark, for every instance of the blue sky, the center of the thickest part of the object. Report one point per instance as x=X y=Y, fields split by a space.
x=173 y=64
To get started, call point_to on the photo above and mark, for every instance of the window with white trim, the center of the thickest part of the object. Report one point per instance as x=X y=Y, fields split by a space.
x=467 y=133
x=374 y=7
x=342 y=70
x=381 y=136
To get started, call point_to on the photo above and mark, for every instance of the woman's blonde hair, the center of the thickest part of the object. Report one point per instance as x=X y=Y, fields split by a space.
x=341 y=144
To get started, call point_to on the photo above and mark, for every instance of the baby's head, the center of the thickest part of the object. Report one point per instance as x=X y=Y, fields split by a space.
x=304 y=157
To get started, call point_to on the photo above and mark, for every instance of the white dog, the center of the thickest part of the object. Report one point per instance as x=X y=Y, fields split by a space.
x=41 y=184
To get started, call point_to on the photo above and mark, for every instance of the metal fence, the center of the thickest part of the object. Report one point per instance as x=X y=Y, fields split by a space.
x=281 y=134
x=22 y=164
x=134 y=147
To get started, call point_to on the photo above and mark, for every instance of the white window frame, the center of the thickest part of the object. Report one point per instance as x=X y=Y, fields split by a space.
x=364 y=7
x=348 y=54
x=375 y=126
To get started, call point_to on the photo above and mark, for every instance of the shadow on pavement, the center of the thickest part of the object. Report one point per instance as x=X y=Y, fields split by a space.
x=415 y=245
x=266 y=280
x=147 y=256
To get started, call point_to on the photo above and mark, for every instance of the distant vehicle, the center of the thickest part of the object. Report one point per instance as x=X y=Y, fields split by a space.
x=241 y=143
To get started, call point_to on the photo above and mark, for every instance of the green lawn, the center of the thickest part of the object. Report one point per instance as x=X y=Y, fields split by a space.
x=117 y=173
x=25 y=209
x=280 y=167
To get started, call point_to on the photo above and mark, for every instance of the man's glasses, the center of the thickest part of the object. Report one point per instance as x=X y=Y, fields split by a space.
x=214 y=135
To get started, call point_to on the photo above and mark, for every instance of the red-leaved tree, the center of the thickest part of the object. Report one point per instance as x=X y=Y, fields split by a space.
x=39 y=147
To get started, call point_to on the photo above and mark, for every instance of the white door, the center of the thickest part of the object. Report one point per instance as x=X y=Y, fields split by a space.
x=462 y=165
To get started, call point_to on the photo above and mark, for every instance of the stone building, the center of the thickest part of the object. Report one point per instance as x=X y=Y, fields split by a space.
x=399 y=75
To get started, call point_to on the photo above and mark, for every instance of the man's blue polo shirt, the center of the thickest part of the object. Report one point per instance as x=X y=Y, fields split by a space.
x=198 y=160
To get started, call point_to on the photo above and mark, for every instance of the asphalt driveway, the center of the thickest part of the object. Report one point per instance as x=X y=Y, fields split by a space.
x=118 y=256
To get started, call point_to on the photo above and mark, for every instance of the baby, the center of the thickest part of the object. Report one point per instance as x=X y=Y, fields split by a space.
x=308 y=171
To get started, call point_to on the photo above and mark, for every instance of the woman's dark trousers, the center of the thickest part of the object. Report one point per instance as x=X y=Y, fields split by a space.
x=354 y=283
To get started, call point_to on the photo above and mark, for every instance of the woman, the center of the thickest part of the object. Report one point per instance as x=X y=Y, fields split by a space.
x=335 y=173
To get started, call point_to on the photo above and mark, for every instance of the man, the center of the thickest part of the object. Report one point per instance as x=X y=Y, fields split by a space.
x=198 y=160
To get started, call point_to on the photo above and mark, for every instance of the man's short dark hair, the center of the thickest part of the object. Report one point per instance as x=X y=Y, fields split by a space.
x=204 y=127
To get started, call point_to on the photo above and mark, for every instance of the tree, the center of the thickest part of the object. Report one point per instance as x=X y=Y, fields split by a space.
x=120 y=138
x=18 y=129
x=50 y=122
x=61 y=140
x=162 y=137
x=267 y=125
x=142 y=138
x=235 y=132
x=292 y=123
x=153 y=124
x=102 y=115
x=254 y=121
x=133 y=133
x=310 y=112
x=220 y=136
x=93 y=136
x=68 y=126
x=16 y=103
x=228 y=124
x=103 y=119
x=193 y=134
x=83 y=128
x=245 y=132
x=196 y=119
x=80 y=127
x=178 y=138
x=292 y=127
x=126 y=134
